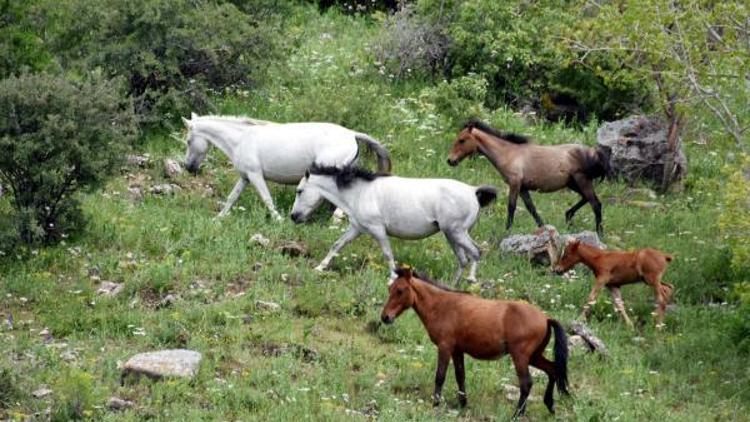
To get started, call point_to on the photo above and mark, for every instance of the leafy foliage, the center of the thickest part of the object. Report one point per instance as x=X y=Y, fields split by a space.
x=58 y=137
x=21 y=47
x=172 y=54
x=735 y=219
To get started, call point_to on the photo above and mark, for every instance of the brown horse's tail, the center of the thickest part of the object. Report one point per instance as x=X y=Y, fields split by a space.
x=561 y=356
x=595 y=163
x=384 y=157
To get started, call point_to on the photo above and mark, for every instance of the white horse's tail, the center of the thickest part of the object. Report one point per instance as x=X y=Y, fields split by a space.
x=384 y=157
x=485 y=195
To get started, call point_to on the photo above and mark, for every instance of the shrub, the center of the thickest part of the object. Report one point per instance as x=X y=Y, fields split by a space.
x=172 y=53
x=735 y=218
x=58 y=137
x=76 y=396
x=410 y=45
x=21 y=48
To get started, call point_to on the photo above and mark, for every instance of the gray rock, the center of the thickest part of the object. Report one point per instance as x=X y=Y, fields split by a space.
x=135 y=193
x=165 y=189
x=137 y=160
x=637 y=148
x=260 y=239
x=577 y=343
x=116 y=403
x=267 y=306
x=110 y=289
x=537 y=246
x=41 y=392
x=593 y=342
x=166 y=301
x=172 y=168
x=164 y=363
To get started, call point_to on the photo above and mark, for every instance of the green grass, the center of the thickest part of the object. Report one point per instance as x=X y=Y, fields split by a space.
x=255 y=362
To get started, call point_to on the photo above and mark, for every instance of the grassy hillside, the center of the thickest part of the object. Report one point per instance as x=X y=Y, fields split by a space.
x=324 y=355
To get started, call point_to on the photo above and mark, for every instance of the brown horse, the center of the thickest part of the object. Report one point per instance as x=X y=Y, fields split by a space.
x=460 y=323
x=614 y=269
x=529 y=167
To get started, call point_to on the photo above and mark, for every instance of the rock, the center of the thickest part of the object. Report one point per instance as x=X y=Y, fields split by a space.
x=166 y=301
x=293 y=249
x=577 y=343
x=110 y=289
x=135 y=193
x=267 y=306
x=637 y=148
x=137 y=160
x=41 y=392
x=116 y=403
x=537 y=246
x=172 y=168
x=260 y=239
x=512 y=393
x=165 y=189
x=68 y=356
x=257 y=266
x=641 y=192
x=164 y=363
x=643 y=204
x=593 y=342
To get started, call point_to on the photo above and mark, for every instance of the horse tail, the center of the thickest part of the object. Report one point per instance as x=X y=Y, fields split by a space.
x=595 y=162
x=384 y=157
x=485 y=195
x=561 y=356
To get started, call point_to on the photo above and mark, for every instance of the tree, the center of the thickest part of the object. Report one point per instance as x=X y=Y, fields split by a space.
x=694 y=54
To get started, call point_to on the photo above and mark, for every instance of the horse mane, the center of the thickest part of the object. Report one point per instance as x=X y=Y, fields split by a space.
x=508 y=136
x=346 y=175
x=236 y=119
x=428 y=280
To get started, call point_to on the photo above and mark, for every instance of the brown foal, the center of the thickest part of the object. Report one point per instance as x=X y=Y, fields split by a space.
x=614 y=269
x=526 y=167
x=459 y=323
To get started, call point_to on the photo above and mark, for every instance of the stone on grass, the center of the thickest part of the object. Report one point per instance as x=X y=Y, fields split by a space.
x=41 y=392
x=637 y=147
x=135 y=193
x=110 y=289
x=260 y=239
x=537 y=247
x=116 y=403
x=267 y=306
x=172 y=168
x=293 y=249
x=593 y=342
x=165 y=189
x=164 y=364
x=137 y=160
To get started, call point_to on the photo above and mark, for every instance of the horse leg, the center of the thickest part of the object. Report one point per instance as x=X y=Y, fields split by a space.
x=260 y=185
x=591 y=301
x=526 y=197
x=655 y=282
x=620 y=305
x=574 y=209
x=350 y=234
x=444 y=357
x=513 y=192
x=587 y=190
x=460 y=255
x=381 y=237
x=467 y=244
x=458 y=366
x=539 y=361
x=521 y=362
x=233 y=196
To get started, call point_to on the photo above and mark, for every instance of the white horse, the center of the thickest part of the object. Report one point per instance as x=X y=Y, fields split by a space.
x=405 y=208
x=281 y=153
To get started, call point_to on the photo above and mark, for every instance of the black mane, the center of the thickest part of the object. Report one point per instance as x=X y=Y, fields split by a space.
x=346 y=175
x=508 y=136
x=428 y=280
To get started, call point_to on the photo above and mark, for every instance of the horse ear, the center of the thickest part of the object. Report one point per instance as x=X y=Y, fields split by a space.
x=404 y=271
x=188 y=123
x=193 y=116
x=307 y=174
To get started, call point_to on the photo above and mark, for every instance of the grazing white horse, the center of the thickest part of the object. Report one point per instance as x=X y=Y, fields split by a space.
x=279 y=152
x=406 y=208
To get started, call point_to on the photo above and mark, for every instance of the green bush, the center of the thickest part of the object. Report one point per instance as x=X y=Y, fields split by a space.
x=21 y=47
x=172 y=53
x=58 y=137
x=75 y=396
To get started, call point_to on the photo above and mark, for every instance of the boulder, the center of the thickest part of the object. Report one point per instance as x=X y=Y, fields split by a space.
x=172 y=168
x=137 y=160
x=637 y=149
x=164 y=363
x=536 y=246
x=110 y=289
x=267 y=306
x=592 y=342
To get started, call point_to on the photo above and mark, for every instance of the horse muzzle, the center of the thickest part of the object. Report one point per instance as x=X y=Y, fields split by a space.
x=192 y=168
x=297 y=217
x=452 y=162
x=387 y=319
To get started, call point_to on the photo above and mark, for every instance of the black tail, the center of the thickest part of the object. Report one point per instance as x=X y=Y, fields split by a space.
x=595 y=162
x=561 y=356
x=485 y=195
x=384 y=158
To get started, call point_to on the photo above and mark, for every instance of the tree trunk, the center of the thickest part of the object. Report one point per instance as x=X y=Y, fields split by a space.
x=673 y=138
